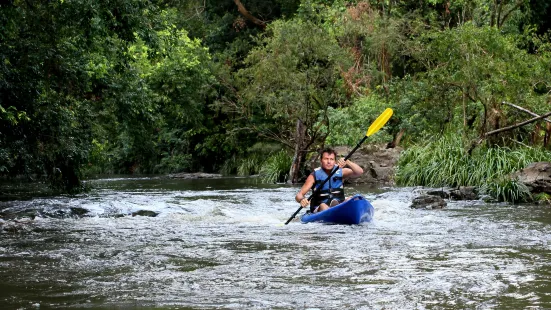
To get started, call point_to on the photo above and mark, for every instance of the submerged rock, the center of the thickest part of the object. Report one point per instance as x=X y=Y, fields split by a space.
x=145 y=213
x=79 y=212
x=62 y=212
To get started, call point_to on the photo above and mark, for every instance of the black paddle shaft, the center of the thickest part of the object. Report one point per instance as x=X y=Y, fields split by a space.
x=327 y=179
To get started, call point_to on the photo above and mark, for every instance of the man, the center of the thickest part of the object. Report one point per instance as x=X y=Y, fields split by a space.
x=332 y=192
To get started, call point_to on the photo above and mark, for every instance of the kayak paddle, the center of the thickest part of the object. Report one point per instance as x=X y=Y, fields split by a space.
x=375 y=126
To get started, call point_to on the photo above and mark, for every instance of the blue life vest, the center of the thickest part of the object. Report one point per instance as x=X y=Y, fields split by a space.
x=332 y=189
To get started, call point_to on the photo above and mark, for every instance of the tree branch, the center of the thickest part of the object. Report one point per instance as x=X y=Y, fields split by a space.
x=525 y=110
x=517 y=5
x=516 y=125
x=241 y=8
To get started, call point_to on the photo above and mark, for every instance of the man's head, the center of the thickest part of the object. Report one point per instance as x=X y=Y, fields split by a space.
x=327 y=158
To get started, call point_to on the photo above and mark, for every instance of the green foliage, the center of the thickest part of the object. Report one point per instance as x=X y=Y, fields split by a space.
x=129 y=85
x=252 y=161
x=98 y=159
x=12 y=116
x=230 y=166
x=56 y=59
x=174 y=163
x=292 y=75
x=180 y=78
x=542 y=198
x=247 y=166
x=153 y=112
x=469 y=71
x=276 y=167
x=350 y=124
x=446 y=162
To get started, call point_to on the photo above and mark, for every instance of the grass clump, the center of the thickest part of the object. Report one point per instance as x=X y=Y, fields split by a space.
x=276 y=167
x=507 y=189
x=446 y=162
x=270 y=162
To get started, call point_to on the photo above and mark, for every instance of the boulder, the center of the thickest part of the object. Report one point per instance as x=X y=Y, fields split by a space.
x=465 y=193
x=378 y=163
x=537 y=176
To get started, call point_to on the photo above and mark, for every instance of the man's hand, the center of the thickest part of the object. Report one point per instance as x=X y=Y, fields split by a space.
x=342 y=163
x=304 y=202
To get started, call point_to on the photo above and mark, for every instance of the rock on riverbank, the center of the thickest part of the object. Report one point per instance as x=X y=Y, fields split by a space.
x=377 y=161
x=194 y=175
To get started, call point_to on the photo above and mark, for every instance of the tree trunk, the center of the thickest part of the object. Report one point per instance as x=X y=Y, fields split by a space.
x=299 y=152
x=547 y=135
x=399 y=137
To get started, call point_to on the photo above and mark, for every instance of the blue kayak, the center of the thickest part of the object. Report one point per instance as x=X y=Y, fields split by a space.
x=356 y=210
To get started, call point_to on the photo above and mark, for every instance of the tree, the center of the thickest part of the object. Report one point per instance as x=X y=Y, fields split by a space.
x=469 y=72
x=293 y=76
x=55 y=57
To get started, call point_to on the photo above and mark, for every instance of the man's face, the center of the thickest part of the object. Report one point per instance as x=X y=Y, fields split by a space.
x=327 y=161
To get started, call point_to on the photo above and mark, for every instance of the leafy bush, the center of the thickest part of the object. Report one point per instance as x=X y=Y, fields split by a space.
x=542 y=198
x=174 y=164
x=350 y=124
x=98 y=159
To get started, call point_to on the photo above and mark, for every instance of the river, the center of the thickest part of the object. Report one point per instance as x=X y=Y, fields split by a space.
x=220 y=244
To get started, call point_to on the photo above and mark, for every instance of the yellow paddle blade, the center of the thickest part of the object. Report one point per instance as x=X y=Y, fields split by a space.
x=379 y=122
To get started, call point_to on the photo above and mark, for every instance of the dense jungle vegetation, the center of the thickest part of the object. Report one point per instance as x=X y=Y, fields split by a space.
x=251 y=86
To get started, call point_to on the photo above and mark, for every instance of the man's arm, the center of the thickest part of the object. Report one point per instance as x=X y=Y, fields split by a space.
x=350 y=169
x=301 y=195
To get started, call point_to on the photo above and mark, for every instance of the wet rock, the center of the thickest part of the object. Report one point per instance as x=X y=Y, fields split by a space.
x=465 y=193
x=488 y=199
x=145 y=213
x=444 y=192
x=26 y=213
x=537 y=176
x=428 y=202
x=460 y=193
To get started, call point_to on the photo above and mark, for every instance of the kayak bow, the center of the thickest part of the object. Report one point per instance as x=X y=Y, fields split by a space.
x=356 y=210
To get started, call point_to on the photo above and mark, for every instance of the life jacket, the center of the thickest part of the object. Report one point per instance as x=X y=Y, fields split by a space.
x=332 y=189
